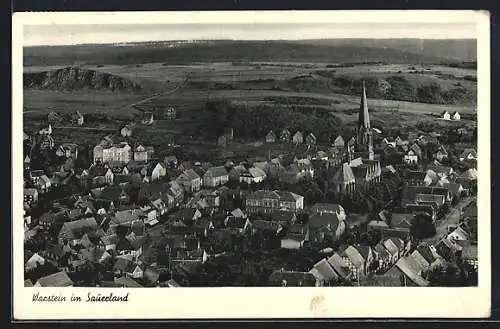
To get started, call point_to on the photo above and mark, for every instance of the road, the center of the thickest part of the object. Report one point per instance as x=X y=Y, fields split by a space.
x=452 y=218
x=166 y=93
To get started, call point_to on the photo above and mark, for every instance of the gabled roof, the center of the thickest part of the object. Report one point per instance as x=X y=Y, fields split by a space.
x=59 y=279
x=325 y=220
x=126 y=216
x=354 y=256
x=189 y=174
x=216 y=171
x=323 y=270
x=382 y=251
x=327 y=207
x=75 y=229
x=338 y=264
x=344 y=174
x=127 y=282
x=427 y=253
x=411 y=271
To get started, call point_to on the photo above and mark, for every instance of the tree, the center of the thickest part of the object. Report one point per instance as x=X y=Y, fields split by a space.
x=422 y=227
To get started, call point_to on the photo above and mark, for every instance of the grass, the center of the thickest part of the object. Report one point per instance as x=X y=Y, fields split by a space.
x=39 y=102
x=251 y=86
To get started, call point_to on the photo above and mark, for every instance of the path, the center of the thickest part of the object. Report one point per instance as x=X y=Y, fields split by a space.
x=166 y=93
x=452 y=218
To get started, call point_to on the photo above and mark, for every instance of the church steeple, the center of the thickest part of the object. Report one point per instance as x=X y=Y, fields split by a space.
x=364 y=118
x=364 y=140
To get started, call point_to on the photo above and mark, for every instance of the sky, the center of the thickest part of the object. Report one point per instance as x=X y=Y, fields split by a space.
x=65 y=34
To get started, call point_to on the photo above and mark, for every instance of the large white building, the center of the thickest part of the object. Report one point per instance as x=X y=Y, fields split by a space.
x=119 y=153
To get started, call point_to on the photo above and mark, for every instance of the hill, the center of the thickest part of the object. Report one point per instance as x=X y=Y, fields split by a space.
x=456 y=49
x=73 y=78
x=218 y=51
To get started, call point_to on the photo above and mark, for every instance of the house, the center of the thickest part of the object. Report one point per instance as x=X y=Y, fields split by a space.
x=135 y=271
x=68 y=150
x=326 y=227
x=33 y=262
x=160 y=206
x=140 y=154
x=328 y=208
x=339 y=143
x=292 y=279
x=448 y=249
x=30 y=196
x=126 y=218
x=468 y=154
x=27 y=162
x=112 y=153
x=395 y=246
x=324 y=273
x=425 y=255
x=43 y=184
x=147 y=119
x=59 y=279
x=311 y=139
x=115 y=194
x=169 y=113
x=441 y=154
x=270 y=137
x=97 y=176
x=171 y=161
x=253 y=175
x=156 y=172
x=190 y=180
x=274 y=227
x=267 y=201
x=126 y=282
x=215 y=176
x=295 y=238
x=410 y=157
x=71 y=232
x=469 y=255
x=185 y=217
x=285 y=135
x=455 y=116
x=149 y=215
x=446 y=115
x=355 y=262
x=241 y=225
x=177 y=191
x=46 y=142
x=384 y=257
x=126 y=131
x=298 y=138
x=407 y=272
x=77 y=118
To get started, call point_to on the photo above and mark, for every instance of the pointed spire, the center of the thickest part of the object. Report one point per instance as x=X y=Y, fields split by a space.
x=364 y=119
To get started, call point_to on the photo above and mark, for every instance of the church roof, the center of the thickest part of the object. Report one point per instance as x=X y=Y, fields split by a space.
x=344 y=174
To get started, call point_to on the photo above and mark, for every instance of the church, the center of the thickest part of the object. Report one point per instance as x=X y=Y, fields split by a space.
x=360 y=168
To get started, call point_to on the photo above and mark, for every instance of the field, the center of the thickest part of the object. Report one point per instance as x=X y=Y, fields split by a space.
x=189 y=86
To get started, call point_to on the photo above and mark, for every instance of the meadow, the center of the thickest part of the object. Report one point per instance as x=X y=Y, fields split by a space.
x=189 y=87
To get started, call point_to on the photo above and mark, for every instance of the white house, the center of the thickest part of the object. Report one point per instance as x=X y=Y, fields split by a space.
x=455 y=116
x=446 y=115
x=410 y=157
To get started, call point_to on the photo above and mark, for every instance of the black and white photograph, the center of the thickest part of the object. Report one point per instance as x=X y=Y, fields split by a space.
x=279 y=153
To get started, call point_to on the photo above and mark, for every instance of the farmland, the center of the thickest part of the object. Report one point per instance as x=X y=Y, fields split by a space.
x=300 y=84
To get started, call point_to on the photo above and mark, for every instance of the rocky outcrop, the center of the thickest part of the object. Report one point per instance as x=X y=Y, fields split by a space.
x=74 y=78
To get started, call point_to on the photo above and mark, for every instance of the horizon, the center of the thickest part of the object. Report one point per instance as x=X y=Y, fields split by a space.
x=237 y=40
x=95 y=34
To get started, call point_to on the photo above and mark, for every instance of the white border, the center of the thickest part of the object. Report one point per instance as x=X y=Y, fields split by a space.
x=199 y=303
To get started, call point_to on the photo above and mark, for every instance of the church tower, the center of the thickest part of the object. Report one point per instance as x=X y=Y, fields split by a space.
x=364 y=135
